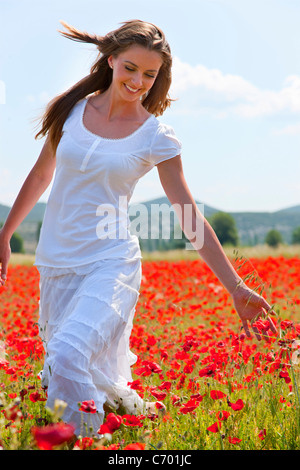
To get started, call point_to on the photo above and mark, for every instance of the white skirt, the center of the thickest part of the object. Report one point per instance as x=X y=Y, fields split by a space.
x=85 y=324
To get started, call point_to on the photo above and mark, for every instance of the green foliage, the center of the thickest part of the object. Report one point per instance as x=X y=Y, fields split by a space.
x=225 y=227
x=296 y=236
x=16 y=243
x=38 y=230
x=273 y=238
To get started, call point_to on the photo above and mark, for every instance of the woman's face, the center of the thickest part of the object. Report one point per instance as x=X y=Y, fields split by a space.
x=134 y=72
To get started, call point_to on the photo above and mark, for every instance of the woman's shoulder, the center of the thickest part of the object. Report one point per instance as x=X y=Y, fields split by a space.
x=165 y=143
x=162 y=129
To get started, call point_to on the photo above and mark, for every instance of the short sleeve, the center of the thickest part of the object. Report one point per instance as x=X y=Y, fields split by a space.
x=165 y=145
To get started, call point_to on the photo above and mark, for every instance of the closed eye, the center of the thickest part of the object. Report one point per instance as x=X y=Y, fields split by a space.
x=130 y=69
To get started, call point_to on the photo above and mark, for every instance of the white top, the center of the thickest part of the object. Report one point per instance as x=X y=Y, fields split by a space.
x=86 y=217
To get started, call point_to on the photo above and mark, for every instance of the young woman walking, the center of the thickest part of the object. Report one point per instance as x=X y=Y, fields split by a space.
x=102 y=136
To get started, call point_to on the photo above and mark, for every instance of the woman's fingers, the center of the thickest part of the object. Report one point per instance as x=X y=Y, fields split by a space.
x=3 y=269
x=268 y=310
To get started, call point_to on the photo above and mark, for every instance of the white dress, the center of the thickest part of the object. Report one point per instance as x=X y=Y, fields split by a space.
x=90 y=265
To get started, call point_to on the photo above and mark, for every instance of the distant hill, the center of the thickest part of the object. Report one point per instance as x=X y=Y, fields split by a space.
x=252 y=226
x=29 y=228
x=34 y=216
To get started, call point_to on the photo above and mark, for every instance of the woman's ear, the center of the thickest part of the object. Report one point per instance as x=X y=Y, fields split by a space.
x=110 y=62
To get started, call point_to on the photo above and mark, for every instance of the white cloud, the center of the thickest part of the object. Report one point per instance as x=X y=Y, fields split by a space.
x=293 y=129
x=227 y=93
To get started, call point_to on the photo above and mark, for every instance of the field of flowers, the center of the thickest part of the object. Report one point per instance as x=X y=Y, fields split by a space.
x=221 y=389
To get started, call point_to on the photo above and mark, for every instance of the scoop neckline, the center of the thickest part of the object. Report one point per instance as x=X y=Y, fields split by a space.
x=85 y=101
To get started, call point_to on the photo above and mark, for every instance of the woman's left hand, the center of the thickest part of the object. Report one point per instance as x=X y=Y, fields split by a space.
x=251 y=307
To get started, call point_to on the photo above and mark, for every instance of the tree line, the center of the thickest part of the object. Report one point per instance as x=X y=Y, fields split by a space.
x=223 y=224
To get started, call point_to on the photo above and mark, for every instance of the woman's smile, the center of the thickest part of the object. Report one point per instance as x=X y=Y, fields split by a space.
x=130 y=89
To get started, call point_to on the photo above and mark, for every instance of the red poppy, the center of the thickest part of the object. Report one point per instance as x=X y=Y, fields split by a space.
x=159 y=406
x=164 y=354
x=197 y=396
x=136 y=385
x=234 y=440
x=111 y=447
x=135 y=446
x=157 y=394
x=84 y=444
x=208 y=371
x=238 y=405
x=214 y=427
x=36 y=396
x=148 y=368
x=222 y=415
x=189 y=406
x=13 y=413
x=112 y=423
x=285 y=375
x=53 y=435
x=217 y=394
x=176 y=400
x=262 y=434
x=88 y=406
x=165 y=385
x=285 y=324
x=132 y=420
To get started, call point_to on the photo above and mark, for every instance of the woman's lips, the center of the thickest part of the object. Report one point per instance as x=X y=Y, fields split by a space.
x=131 y=90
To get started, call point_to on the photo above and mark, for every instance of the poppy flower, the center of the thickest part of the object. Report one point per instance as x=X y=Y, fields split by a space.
x=110 y=447
x=88 y=406
x=208 y=371
x=285 y=375
x=176 y=400
x=217 y=394
x=262 y=434
x=53 y=435
x=165 y=386
x=197 y=396
x=132 y=420
x=214 y=427
x=84 y=443
x=157 y=394
x=112 y=423
x=135 y=446
x=222 y=415
x=238 y=405
x=137 y=385
x=149 y=367
x=13 y=413
x=234 y=440
x=36 y=396
x=189 y=406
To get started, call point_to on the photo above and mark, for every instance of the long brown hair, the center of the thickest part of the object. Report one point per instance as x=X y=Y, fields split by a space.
x=100 y=77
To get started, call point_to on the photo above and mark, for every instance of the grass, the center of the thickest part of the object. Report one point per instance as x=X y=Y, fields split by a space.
x=258 y=251
x=185 y=324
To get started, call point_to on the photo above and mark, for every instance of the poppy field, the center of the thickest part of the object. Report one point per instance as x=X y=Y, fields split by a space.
x=221 y=389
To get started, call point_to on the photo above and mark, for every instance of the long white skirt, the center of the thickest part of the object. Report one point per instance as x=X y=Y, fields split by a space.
x=85 y=324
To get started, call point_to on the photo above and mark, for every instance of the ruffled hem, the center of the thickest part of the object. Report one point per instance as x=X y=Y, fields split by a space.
x=81 y=270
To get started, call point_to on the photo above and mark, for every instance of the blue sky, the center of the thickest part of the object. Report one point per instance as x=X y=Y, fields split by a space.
x=236 y=78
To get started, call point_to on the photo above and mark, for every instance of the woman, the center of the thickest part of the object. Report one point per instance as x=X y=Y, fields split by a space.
x=103 y=135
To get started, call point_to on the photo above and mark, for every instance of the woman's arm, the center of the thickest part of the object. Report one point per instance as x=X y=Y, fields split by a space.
x=34 y=186
x=248 y=304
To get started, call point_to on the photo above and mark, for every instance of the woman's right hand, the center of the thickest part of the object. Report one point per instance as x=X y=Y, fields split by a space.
x=5 y=253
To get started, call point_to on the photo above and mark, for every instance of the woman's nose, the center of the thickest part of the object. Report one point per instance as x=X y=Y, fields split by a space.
x=137 y=80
